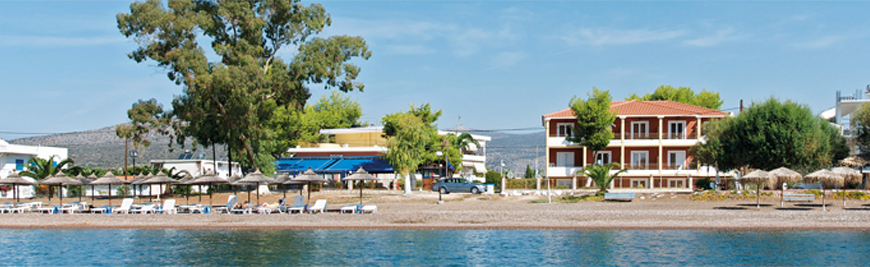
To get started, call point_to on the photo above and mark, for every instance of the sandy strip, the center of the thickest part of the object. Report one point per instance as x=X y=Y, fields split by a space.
x=464 y=211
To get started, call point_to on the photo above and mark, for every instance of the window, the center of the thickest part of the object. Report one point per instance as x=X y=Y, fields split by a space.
x=604 y=157
x=639 y=130
x=676 y=159
x=564 y=129
x=565 y=159
x=677 y=129
x=19 y=164
x=638 y=183
x=676 y=183
x=639 y=160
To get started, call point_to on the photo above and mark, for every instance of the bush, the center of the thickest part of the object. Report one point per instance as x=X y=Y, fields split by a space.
x=339 y=185
x=703 y=184
x=493 y=177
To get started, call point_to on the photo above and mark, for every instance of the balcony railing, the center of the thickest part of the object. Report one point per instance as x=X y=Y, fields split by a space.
x=647 y=136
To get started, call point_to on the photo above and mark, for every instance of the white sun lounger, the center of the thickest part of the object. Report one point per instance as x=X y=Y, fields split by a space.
x=298 y=205
x=168 y=207
x=78 y=207
x=231 y=201
x=369 y=209
x=125 y=206
x=144 y=209
x=319 y=205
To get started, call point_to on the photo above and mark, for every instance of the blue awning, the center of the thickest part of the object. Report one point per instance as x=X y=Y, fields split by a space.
x=333 y=164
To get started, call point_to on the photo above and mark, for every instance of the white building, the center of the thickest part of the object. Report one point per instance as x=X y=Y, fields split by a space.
x=14 y=158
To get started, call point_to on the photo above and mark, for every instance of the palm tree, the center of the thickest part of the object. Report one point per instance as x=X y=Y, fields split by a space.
x=600 y=174
x=39 y=168
x=462 y=141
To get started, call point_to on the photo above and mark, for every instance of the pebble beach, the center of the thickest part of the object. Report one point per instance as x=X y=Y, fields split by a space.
x=465 y=211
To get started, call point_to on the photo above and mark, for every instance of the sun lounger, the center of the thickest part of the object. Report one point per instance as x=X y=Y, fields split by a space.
x=104 y=209
x=76 y=207
x=201 y=209
x=619 y=196
x=298 y=205
x=49 y=210
x=125 y=206
x=369 y=209
x=144 y=209
x=231 y=201
x=351 y=209
x=319 y=205
x=168 y=207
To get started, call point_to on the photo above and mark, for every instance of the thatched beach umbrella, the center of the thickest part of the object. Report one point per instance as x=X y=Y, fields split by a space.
x=15 y=180
x=856 y=160
x=256 y=178
x=60 y=179
x=827 y=178
x=760 y=178
x=186 y=181
x=784 y=175
x=137 y=182
x=84 y=182
x=290 y=181
x=280 y=179
x=851 y=178
x=160 y=179
x=360 y=175
x=210 y=179
x=109 y=179
x=308 y=177
x=91 y=178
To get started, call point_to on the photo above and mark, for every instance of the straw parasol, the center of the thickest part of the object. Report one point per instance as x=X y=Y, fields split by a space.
x=360 y=175
x=280 y=179
x=257 y=178
x=91 y=178
x=60 y=179
x=210 y=179
x=137 y=182
x=160 y=179
x=855 y=161
x=827 y=178
x=308 y=177
x=109 y=179
x=758 y=177
x=84 y=182
x=186 y=181
x=290 y=181
x=15 y=180
x=784 y=175
x=851 y=176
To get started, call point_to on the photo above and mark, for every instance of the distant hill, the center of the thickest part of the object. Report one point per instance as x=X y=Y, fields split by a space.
x=517 y=151
x=102 y=148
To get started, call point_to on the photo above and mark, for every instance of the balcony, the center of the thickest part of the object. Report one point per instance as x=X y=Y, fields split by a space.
x=644 y=136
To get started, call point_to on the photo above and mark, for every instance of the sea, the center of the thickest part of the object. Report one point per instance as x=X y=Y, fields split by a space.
x=186 y=247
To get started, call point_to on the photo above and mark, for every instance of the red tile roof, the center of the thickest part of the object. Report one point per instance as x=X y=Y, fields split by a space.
x=647 y=108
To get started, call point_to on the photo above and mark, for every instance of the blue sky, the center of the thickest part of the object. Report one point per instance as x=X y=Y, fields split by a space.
x=494 y=64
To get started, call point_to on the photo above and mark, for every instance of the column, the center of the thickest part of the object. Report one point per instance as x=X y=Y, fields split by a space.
x=621 y=147
x=698 y=137
x=546 y=154
x=661 y=135
x=574 y=182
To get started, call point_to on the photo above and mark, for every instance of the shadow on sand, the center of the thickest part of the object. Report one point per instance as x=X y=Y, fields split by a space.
x=729 y=208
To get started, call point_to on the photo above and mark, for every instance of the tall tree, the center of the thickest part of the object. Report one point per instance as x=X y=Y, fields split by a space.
x=232 y=100
x=861 y=127
x=684 y=95
x=405 y=147
x=529 y=173
x=593 y=121
x=329 y=112
x=770 y=135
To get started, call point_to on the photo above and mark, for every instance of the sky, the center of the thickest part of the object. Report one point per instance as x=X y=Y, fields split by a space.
x=487 y=65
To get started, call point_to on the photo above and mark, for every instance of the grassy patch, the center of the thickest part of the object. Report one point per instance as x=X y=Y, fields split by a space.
x=571 y=199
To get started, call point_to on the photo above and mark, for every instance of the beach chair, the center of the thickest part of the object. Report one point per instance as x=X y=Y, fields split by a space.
x=269 y=210
x=74 y=207
x=104 y=209
x=125 y=206
x=351 y=209
x=298 y=205
x=49 y=210
x=25 y=207
x=168 y=207
x=231 y=201
x=319 y=205
x=144 y=209
x=369 y=209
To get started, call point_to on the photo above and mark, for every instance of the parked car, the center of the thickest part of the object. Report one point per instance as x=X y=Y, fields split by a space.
x=458 y=185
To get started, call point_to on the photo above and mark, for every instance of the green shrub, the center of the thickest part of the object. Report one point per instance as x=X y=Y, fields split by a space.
x=493 y=177
x=703 y=184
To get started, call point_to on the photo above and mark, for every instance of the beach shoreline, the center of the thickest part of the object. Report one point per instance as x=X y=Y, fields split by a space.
x=464 y=211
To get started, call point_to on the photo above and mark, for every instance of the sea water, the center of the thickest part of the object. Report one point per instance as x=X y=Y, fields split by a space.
x=113 y=247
